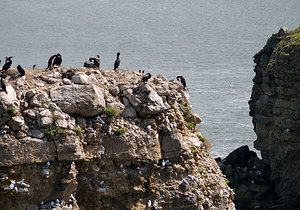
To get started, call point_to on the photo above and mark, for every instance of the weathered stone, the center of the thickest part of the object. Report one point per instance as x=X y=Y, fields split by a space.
x=36 y=133
x=44 y=119
x=24 y=151
x=84 y=100
x=66 y=81
x=171 y=145
x=16 y=123
x=117 y=105
x=39 y=99
x=129 y=111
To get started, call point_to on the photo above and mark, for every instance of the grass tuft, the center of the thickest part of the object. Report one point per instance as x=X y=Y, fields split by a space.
x=111 y=111
x=119 y=131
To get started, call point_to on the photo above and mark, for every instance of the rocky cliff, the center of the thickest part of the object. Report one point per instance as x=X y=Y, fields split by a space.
x=96 y=139
x=275 y=108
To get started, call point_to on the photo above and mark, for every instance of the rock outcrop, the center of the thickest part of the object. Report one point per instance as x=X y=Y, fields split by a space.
x=275 y=108
x=96 y=139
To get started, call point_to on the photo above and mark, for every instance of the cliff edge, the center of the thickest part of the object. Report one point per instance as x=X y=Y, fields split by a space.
x=96 y=139
x=275 y=108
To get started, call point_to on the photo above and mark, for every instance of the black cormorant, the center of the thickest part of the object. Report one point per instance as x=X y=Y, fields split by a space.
x=96 y=62
x=146 y=77
x=117 y=62
x=57 y=60
x=51 y=62
x=8 y=63
x=182 y=80
x=21 y=70
x=54 y=60
x=3 y=86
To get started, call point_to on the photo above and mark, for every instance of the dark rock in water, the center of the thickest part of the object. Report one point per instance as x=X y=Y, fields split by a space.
x=239 y=157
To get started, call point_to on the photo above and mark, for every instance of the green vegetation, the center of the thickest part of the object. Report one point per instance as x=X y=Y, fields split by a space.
x=227 y=181
x=201 y=170
x=193 y=150
x=45 y=103
x=119 y=131
x=78 y=130
x=190 y=125
x=52 y=130
x=201 y=138
x=111 y=111
x=11 y=110
x=187 y=110
x=52 y=109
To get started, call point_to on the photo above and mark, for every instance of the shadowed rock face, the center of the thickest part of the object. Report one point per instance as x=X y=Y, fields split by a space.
x=103 y=140
x=275 y=108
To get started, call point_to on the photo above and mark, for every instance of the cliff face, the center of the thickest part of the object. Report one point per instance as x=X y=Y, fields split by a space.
x=96 y=139
x=275 y=108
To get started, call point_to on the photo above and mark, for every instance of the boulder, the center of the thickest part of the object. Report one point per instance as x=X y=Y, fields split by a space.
x=39 y=99
x=171 y=145
x=16 y=123
x=146 y=100
x=83 y=100
x=129 y=111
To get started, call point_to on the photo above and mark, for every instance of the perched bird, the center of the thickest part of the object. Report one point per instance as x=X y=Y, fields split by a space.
x=54 y=60
x=146 y=77
x=3 y=86
x=182 y=80
x=117 y=62
x=33 y=67
x=21 y=70
x=57 y=60
x=96 y=61
x=8 y=63
x=0 y=61
x=51 y=61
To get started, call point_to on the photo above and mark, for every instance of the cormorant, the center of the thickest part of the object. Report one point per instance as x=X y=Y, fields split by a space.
x=57 y=60
x=96 y=62
x=54 y=60
x=182 y=80
x=8 y=63
x=33 y=67
x=51 y=61
x=3 y=86
x=21 y=70
x=117 y=62
x=146 y=77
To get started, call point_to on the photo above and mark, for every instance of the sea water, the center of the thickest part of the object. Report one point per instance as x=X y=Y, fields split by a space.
x=210 y=43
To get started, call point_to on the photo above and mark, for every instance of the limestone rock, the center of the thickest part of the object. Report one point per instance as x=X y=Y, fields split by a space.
x=39 y=99
x=84 y=100
x=16 y=123
x=129 y=111
x=147 y=101
x=171 y=145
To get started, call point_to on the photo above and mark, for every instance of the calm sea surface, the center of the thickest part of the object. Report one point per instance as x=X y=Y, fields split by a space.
x=210 y=43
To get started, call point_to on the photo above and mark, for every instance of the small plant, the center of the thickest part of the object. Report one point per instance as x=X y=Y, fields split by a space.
x=78 y=130
x=201 y=138
x=227 y=181
x=52 y=109
x=119 y=131
x=193 y=150
x=111 y=111
x=190 y=125
x=11 y=110
x=45 y=103
x=201 y=170
x=52 y=130
x=187 y=110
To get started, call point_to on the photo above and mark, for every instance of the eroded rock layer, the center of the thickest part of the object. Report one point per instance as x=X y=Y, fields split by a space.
x=275 y=108
x=96 y=139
